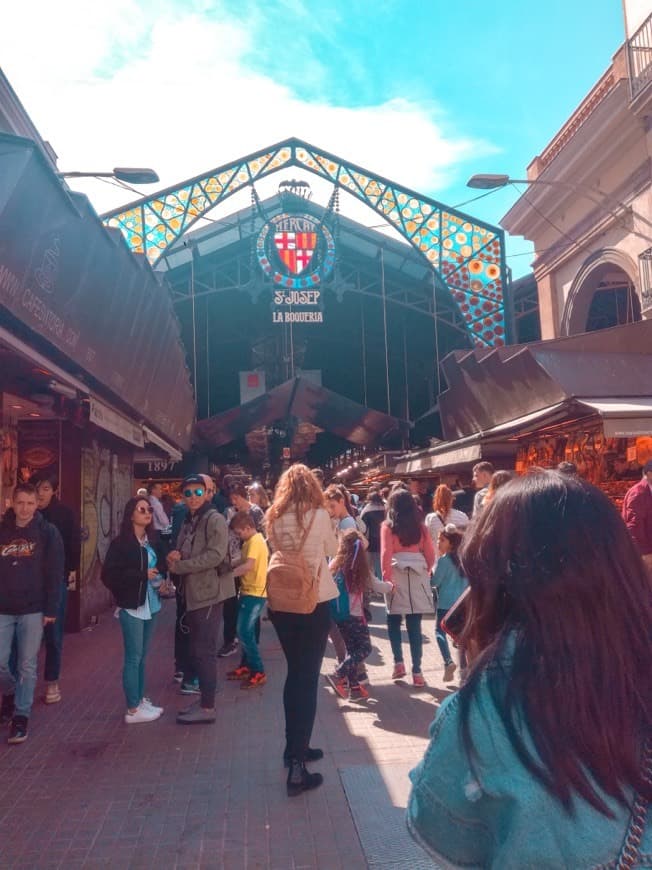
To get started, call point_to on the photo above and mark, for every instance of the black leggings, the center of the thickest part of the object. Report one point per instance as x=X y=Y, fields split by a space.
x=303 y=639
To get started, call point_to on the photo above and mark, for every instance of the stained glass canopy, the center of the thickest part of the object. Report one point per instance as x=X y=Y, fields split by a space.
x=468 y=254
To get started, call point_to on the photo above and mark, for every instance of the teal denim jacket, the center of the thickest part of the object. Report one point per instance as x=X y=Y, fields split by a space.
x=496 y=814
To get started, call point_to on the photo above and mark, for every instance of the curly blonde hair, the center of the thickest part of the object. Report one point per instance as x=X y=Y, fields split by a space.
x=297 y=489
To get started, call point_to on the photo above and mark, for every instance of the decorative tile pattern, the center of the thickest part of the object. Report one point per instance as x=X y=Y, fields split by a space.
x=468 y=255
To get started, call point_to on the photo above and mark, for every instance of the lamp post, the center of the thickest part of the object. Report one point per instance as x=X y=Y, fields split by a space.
x=128 y=174
x=491 y=181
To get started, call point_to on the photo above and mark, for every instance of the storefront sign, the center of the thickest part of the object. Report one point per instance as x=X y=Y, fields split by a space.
x=297 y=252
x=114 y=422
x=158 y=469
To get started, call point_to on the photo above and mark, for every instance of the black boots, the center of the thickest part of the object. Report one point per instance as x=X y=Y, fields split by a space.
x=300 y=780
x=311 y=755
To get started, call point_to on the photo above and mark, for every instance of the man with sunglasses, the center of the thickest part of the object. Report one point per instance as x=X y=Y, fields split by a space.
x=206 y=582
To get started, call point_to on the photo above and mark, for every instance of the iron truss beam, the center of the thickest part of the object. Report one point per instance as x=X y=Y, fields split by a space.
x=469 y=255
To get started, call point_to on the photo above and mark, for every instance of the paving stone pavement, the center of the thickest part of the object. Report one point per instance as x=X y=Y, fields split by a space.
x=88 y=791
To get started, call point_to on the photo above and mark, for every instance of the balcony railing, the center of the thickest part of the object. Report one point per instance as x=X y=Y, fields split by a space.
x=639 y=48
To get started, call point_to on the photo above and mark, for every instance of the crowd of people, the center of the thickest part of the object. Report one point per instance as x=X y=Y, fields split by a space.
x=553 y=712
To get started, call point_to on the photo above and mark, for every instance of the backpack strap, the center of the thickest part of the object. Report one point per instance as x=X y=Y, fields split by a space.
x=304 y=536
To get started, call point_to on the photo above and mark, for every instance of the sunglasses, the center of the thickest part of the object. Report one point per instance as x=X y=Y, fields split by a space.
x=188 y=493
x=145 y=510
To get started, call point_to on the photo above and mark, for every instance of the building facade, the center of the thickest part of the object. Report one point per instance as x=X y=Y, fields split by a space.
x=92 y=370
x=588 y=206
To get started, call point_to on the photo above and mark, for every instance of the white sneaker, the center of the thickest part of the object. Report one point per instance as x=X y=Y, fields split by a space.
x=449 y=671
x=142 y=714
x=146 y=704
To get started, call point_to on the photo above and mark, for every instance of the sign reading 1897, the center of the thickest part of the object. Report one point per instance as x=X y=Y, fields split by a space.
x=297 y=252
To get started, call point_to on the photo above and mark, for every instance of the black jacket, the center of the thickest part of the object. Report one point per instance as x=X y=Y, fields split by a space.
x=64 y=519
x=372 y=516
x=31 y=566
x=125 y=569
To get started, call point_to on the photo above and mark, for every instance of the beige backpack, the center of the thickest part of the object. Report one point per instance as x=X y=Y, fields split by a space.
x=292 y=586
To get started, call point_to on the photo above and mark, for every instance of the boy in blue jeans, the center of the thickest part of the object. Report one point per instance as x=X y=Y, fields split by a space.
x=253 y=571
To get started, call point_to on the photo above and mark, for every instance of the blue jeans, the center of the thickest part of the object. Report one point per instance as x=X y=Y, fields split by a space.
x=413 y=625
x=251 y=606
x=28 y=629
x=53 y=635
x=136 y=634
x=442 y=640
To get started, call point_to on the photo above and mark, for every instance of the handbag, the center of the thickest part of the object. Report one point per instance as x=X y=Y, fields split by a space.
x=167 y=589
x=291 y=584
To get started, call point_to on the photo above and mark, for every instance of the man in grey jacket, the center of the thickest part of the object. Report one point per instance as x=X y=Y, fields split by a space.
x=201 y=560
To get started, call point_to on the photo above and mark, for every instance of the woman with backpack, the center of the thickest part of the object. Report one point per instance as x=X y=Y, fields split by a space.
x=407 y=556
x=300 y=533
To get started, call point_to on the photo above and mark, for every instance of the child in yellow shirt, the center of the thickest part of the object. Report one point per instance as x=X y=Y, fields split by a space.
x=253 y=571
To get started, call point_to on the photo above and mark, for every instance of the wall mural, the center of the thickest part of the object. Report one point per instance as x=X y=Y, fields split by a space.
x=106 y=488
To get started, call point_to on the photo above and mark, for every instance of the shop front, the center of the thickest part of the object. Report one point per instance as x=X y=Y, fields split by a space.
x=585 y=399
x=91 y=367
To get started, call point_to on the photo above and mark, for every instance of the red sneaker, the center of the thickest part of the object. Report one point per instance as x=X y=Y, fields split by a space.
x=241 y=673
x=358 y=693
x=340 y=684
x=399 y=671
x=255 y=680
x=418 y=680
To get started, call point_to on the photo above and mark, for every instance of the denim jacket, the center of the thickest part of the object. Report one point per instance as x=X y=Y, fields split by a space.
x=496 y=814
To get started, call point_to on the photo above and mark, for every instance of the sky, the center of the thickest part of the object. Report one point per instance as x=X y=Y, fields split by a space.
x=425 y=93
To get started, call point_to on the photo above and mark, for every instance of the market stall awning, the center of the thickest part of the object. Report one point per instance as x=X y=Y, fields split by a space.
x=306 y=401
x=101 y=311
x=623 y=418
x=487 y=389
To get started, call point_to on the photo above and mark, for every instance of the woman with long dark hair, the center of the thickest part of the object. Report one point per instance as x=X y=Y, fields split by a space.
x=135 y=561
x=297 y=520
x=543 y=758
x=407 y=555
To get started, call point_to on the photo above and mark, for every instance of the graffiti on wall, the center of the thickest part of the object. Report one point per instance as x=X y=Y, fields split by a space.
x=106 y=488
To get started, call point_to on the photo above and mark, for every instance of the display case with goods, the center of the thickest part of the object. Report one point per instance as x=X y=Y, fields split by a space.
x=612 y=464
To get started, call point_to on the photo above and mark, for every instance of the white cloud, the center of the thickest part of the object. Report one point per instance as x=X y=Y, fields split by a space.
x=133 y=83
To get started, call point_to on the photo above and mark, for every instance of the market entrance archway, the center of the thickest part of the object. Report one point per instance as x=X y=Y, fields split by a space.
x=468 y=254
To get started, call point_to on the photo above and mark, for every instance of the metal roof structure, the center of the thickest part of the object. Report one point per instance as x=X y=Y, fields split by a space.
x=467 y=254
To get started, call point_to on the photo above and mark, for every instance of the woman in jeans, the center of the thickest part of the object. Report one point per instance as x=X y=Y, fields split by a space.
x=541 y=756
x=407 y=555
x=298 y=507
x=134 y=566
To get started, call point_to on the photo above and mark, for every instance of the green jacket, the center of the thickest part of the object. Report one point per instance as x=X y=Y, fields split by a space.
x=205 y=538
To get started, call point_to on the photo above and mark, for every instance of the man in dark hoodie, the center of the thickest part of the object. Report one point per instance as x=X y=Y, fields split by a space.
x=63 y=518
x=31 y=568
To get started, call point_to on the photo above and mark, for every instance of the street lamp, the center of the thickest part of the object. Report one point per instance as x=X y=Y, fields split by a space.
x=128 y=174
x=491 y=181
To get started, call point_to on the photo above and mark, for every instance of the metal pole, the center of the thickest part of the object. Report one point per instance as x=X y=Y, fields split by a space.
x=208 y=366
x=434 y=314
x=382 y=287
x=364 y=346
x=405 y=369
x=194 y=321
